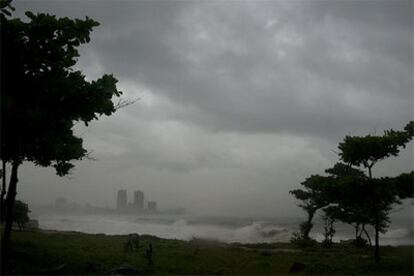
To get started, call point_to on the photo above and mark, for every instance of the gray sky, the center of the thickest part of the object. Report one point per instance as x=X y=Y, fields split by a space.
x=240 y=101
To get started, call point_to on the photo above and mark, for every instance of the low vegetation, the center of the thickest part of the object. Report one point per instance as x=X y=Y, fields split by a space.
x=51 y=252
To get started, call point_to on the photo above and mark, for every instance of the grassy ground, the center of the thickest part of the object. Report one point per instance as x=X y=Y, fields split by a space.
x=39 y=252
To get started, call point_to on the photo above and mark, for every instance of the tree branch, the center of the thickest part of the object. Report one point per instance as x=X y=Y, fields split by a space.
x=125 y=102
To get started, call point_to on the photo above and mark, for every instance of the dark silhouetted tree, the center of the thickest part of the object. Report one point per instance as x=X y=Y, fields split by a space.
x=368 y=150
x=321 y=191
x=42 y=96
x=313 y=197
x=328 y=229
x=347 y=201
x=348 y=195
x=404 y=184
x=21 y=214
x=3 y=189
x=382 y=193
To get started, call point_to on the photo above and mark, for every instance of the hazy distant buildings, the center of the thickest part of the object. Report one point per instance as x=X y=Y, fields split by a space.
x=139 y=200
x=121 y=202
x=152 y=205
x=137 y=204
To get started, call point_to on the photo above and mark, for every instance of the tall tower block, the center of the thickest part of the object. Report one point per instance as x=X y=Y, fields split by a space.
x=139 y=200
x=121 y=202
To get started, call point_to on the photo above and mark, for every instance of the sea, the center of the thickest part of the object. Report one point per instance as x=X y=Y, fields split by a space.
x=219 y=228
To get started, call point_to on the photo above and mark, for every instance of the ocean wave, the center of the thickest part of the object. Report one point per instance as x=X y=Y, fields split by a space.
x=247 y=231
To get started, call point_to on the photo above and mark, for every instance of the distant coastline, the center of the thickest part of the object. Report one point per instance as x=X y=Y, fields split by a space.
x=88 y=209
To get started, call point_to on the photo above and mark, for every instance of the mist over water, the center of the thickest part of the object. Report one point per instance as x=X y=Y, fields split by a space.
x=225 y=229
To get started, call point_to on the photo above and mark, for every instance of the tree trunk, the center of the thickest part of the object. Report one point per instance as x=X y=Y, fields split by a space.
x=10 y=199
x=367 y=235
x=377 y=224
x=376 y=252
x=360 y=232
x=308 y=224
x=3 y=191
x=356 y=231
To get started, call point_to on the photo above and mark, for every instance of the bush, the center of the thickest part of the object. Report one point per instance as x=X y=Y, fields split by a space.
x=360 y=242
x=21 y=214
x=298 y=240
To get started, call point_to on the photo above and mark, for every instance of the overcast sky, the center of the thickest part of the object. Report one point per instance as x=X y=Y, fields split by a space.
x=239 y=101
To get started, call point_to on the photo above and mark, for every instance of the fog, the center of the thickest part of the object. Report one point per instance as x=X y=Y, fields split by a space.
x=237 y=102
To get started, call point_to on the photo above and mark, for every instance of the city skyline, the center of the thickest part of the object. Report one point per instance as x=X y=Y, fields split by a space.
x=138 y=201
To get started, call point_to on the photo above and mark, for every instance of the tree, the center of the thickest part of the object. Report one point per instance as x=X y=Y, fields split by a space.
x=313 y=197
x=321 y=191
x=354 y=195
x=328 y=229
x=347 y=201
x=3 y=189
x=21 y=214
x=404 y=184
x=350 y=196
x=367 y=151
x=42 y=96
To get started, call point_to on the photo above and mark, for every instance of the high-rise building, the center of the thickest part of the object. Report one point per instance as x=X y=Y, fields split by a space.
x=152 y=205
x=121 y=202
x=139 y=200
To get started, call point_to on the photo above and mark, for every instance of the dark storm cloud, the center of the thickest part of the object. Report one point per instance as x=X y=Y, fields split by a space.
x=317 y=75
x=312 y=67
x=259 y=89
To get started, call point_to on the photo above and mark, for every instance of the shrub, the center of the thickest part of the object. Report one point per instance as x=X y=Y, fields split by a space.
x=299 y=240
x=21 y=214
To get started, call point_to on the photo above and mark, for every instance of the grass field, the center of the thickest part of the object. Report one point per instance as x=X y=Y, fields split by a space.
x=49 y=252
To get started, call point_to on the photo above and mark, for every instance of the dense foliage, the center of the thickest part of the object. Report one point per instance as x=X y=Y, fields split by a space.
x=21 y=213
x=368 y=150
x=349 y=195
x=43 y=96
x=313 y=197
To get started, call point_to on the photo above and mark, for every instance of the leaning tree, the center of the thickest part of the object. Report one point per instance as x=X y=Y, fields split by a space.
x=313 y=196
x=320 y=192
x=43 y=96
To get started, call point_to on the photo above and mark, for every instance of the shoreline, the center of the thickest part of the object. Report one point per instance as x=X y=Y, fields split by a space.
x=225 y=229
